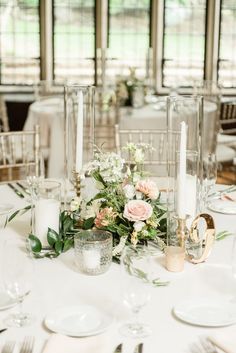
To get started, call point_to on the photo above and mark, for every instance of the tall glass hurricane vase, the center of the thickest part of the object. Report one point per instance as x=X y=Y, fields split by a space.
x=184 y=121
x=79 y=127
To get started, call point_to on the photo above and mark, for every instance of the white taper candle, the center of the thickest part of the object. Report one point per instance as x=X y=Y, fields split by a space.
x=181 y=201
x=79 y=133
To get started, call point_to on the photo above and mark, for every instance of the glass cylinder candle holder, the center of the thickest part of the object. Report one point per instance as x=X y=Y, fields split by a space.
x=46 y=210
x=93 y=251
x=183 y=200
x=79 y=127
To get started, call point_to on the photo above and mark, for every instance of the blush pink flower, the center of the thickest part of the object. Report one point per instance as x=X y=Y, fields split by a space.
x=105 y=217
x=148 y=188
x=137 y=210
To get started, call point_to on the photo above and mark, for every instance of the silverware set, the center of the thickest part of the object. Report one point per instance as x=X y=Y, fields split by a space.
x=26 y=347
x=203 y=346
x=20 y=190
x=138 y=348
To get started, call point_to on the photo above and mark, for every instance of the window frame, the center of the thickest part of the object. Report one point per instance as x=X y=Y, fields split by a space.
x=156 y=42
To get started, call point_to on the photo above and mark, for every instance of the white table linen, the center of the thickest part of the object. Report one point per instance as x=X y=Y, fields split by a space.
x=49 y=114
x=58 y=283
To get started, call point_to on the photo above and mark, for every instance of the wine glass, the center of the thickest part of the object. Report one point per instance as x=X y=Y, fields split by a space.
x=209 y=175
x=135 y=265
x=17 y=274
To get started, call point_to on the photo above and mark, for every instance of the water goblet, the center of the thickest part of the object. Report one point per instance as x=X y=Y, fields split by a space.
x=135 y=265
x=17 y=274
x=209 y=176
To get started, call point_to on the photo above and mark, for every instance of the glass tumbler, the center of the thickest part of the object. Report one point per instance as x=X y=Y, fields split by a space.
x=93 y=251
x=46 y=211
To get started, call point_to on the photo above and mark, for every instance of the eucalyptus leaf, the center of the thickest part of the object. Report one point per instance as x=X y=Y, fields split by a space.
x=52 y=237
x=58 y=246
x=35 y=243
x=88 y=223
x=68 y=243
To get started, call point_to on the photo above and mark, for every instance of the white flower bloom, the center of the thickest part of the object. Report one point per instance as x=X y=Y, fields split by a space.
x=138 y=226
x=90 y=211
x=138 y=195
x=75 y=204
x=138 y=156
x=129 y=191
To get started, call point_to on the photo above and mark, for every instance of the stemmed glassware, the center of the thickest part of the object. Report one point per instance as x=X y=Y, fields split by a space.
x=135 y=265
x=209 y=176
x=17 y=274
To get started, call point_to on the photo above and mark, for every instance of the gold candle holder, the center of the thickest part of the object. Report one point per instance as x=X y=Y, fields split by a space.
x=77 y=183
x=182 y=232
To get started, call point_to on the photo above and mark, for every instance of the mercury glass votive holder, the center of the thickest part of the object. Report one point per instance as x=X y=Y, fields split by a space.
x=93 y=251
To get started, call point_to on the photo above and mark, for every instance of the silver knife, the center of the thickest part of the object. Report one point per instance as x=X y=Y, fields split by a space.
x=23 y=188
x=118 y=349
x=139 y=348
x=16 y=191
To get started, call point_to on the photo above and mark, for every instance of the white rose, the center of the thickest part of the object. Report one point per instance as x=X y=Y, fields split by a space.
x=138 y=156
x=138 y=195
x=75 y=203
x=129 y=191
x=138 y=226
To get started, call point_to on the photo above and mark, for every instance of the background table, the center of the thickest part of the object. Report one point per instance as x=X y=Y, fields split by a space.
x=49 y=114
x=57 y=283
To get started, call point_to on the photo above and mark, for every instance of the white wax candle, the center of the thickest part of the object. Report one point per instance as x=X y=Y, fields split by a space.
x=79 y=134
x=91 y=259
x=47 y=213
x=181 y=200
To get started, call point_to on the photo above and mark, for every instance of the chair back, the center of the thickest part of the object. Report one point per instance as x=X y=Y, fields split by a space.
x=4 y=125
x=19 y=151
x=105 y=119
x=228 y=117
x=157 y=155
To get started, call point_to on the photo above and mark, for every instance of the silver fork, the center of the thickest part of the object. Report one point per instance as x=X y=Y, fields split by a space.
x=27 y=345
x=8 y=347
x=203 y=346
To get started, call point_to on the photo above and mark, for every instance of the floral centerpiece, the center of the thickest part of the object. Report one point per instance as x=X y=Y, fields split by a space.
x=127 y=204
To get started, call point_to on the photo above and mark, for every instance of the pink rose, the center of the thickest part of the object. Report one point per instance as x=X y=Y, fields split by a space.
x=148 y=188
x=137 y=210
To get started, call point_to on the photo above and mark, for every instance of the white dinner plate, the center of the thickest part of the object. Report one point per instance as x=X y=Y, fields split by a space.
x=223 y=206
x=5 y=208
x=207 y=313
x=78 y=321
x=6 y=301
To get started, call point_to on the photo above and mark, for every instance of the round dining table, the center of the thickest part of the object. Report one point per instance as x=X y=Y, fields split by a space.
x=58 y=283
x=48 y=113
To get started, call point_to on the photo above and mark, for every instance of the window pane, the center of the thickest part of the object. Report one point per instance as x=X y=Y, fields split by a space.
x=227 y=52
x=128 y=37
x=184 y=42
x=74 y=40
x=19 y=41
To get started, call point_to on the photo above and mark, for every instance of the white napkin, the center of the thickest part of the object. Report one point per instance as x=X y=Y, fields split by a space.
x=226 y=340
x=60 y=344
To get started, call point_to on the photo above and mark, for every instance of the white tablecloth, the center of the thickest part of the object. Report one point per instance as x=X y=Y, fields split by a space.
x=57 y=283
x=49 y=114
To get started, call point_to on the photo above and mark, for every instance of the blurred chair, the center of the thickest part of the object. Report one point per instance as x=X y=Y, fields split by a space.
x=227 y=134
x=226 y=141
x=106 y=112
x=19 y=152
x=48 y=89
x=155 y=159
x=4 y=124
